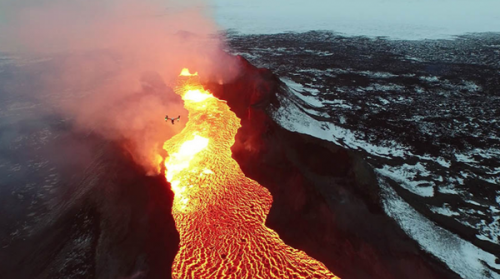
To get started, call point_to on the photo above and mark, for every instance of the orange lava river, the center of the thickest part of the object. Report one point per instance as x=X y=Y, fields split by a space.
x=218 y=211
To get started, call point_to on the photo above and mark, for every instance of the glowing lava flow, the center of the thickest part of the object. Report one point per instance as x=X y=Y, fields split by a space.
x=185 y=73
x=219 y=212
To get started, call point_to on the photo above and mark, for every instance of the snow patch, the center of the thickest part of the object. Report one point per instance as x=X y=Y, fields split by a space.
x=473 y=202
x=465 y=158
x=378 y=74
x=444 y=210
x=290 y=117
x=449 y=189
x=490 y=231
x=407 y=176
x=337 y=103
x=383 y=101
x=443 y=162
x=384 y=87
x=461 y=256
x=300 y=89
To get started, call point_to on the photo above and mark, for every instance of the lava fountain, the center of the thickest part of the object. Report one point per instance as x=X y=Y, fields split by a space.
x=220 y=214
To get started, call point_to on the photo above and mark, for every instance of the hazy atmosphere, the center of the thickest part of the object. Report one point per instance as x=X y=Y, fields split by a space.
x=111 y=49
x=250 y=139
x=396 y=19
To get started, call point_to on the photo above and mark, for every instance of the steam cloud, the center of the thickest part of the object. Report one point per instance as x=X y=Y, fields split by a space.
x=119 y=55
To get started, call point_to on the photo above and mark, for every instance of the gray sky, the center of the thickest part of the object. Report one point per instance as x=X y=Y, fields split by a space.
x=407 y=19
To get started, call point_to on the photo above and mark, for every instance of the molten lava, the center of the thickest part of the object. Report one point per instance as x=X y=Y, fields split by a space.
x=185 y=73
x=220 y=213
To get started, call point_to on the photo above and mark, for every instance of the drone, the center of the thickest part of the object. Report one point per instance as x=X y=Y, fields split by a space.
x=172 y=119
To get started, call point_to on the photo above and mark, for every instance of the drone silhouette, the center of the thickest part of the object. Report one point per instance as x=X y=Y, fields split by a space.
x=172 y=119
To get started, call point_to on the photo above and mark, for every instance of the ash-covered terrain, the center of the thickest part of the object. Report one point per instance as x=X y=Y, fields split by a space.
x=424 y=114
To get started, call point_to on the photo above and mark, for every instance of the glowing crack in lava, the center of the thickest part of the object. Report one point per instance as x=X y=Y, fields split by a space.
x=219 y=212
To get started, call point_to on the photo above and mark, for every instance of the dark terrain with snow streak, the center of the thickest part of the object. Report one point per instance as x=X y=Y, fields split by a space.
x=424 y=114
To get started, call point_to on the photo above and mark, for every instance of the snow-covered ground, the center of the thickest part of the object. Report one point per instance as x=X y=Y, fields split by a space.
x=422 y=113
x=402 y=19
x=460 y=255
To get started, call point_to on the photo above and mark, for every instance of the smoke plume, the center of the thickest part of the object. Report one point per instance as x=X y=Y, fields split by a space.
x=117 y=61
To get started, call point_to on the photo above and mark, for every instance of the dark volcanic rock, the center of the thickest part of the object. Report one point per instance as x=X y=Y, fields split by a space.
x=110 y=221
x=424 y=114
x=326 y=198
x=72 y=203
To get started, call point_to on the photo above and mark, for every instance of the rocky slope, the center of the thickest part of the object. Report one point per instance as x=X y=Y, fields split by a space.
x=423 y=114
x=326 y=198
x=72 y=204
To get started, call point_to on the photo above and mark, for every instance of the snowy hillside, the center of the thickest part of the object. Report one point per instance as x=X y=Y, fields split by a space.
x=424 y=114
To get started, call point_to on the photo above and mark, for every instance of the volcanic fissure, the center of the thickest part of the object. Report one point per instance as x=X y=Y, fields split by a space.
x=218 y=211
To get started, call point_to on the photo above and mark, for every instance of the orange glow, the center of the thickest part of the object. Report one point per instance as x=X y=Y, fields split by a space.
x=185 y=73
x=220 y=213
x=196 y=95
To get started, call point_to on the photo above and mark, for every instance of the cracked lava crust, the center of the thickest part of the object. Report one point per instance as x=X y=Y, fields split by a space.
x=220 y=213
